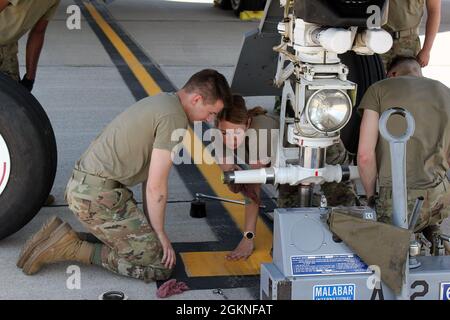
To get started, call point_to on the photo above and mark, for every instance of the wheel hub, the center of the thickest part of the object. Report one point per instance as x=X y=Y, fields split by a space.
x=5 y=164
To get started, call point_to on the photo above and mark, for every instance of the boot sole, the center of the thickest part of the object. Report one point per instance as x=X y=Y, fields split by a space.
x=40 y=237
x=31 y=266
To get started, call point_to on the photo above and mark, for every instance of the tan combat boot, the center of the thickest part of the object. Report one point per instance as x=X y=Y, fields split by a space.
x=38 y=238
x=62 y=245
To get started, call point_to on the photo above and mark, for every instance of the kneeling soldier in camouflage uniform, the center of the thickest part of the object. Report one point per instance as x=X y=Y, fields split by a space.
x=134 y=148
x=427 y=152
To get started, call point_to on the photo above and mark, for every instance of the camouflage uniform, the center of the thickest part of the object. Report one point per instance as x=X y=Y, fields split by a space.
x=112 y=215
x=288 y=196
x=16 y=19
x=343 y=193
x=403 y=23
x=404 y=46
x=337 y=194
x=435 y=209
x=9 y=63
x=118 y=159
x=427 y=151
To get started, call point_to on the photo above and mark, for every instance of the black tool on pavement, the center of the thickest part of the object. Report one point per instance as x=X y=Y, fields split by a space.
x=198 y=209
x=113 y=295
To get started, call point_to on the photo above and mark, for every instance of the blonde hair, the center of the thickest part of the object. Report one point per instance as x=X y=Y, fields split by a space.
x=238 y=113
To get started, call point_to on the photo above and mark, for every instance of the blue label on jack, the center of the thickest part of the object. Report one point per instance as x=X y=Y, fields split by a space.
x=445 y=291
x=335 y=292
x=327 y=265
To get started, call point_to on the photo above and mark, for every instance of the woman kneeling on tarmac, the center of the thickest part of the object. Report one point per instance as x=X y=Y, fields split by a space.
x=251 y=137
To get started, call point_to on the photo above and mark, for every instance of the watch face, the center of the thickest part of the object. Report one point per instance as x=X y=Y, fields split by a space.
x=249 y=235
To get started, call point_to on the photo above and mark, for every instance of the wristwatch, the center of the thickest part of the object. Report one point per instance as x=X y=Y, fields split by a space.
x=249 y=235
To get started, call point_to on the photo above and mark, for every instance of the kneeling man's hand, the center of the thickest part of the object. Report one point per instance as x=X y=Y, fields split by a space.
x=169 y=257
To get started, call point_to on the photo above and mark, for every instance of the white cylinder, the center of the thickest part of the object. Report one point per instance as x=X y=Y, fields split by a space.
x=286 y=175
x=250 y=176
x=354 y=172
x=378 y=40
x=332 y=173
x=282 y=28
x=335 y=40
x=293 y=175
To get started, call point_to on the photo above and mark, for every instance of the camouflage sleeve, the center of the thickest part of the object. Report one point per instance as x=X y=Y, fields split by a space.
x=51 y=11
x=338 y=154
x=14 y=2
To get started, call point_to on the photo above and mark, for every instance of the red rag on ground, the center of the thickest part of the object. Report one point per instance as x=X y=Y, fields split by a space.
x=171 y=287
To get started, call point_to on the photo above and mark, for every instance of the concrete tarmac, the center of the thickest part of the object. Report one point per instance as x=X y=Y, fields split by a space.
x=82 y=90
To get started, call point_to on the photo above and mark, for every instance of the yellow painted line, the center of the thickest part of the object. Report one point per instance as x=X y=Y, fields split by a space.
x=199 y=264
x=204 y=264
x=210 y=264
x=212 y=173
x=251 y=15
x=136 y=67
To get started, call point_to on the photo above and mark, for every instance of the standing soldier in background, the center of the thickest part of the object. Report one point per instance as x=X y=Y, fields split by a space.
x=403 y=24
x=17 y=17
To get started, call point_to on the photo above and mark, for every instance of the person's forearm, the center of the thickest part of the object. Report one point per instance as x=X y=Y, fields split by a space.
x=251 y=217
x=432 y=28
x=34 y=47
x=156 y=204
x=368 y=173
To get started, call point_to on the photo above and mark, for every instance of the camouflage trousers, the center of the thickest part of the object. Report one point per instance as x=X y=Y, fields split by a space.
x=435 y=209
x=404 y=46
x=9 y=64
x=337 y=194
x=131 y=247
